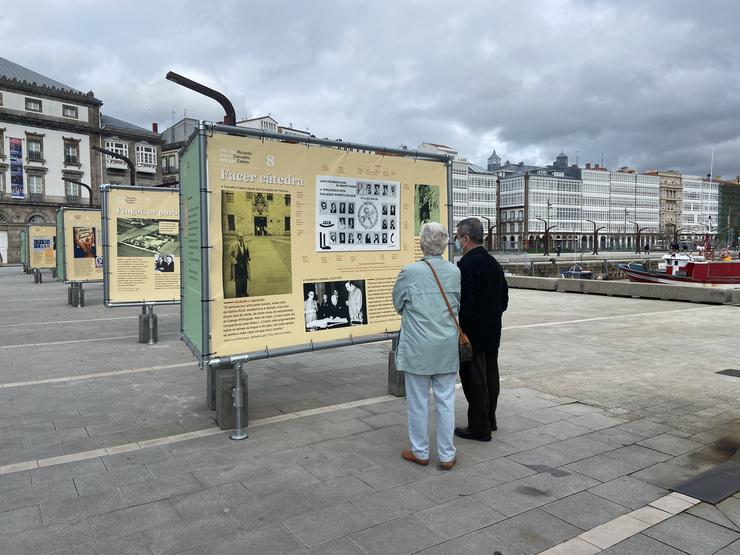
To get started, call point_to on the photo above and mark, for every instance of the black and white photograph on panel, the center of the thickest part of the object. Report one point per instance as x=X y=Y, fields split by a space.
x=256 y=244
x=334 y=304
x=137 y=237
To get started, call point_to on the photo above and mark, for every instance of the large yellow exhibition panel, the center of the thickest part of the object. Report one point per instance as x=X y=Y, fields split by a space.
x=305 y=241
x=41 y=252
x=142 y=245
x=83 y=250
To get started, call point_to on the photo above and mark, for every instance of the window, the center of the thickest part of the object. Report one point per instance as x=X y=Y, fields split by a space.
x=33 y=105
x=2 y=181
x=119 y=148
x=69 y=111
x=503 y=216
x=229 y=196
x=71 y=153
x=71 y=189
x=231 y=221
x=1 y=99
x=36 y=219
x=36 y=184
x=169 y=164
x=287 y=201
x=287 y=223
x=35 y=149
x=146 y=156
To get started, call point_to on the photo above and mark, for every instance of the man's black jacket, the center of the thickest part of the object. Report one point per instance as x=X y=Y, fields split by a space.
x=484 y=298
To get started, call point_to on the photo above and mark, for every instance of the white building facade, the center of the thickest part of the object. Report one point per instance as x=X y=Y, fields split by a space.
x=700 y=206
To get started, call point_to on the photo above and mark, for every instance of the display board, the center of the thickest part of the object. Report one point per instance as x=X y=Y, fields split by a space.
x=24 y=247
x=41 y=247
x=59 y=219
x=79 y=245
x=141 y=245
x=305 y=242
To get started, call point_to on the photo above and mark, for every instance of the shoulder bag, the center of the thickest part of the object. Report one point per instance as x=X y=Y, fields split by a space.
x=466 y=348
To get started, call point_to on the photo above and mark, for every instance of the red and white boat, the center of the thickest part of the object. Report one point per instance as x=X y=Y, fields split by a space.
x=683 y=269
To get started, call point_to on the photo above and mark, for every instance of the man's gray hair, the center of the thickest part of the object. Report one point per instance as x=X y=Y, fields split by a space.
x=472 y=228
x=433 y=239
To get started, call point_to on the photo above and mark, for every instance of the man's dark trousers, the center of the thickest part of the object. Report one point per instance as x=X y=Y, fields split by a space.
x=484 y=297
x=480 y=382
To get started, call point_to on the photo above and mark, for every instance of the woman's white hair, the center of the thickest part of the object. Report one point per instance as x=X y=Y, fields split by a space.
x=433 y=239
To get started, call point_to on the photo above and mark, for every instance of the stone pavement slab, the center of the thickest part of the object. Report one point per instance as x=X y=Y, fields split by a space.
x=534 y=531
x=692 y=535
x=584 y=510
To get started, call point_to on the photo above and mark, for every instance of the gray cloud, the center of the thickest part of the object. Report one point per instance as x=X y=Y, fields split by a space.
x=652 y=84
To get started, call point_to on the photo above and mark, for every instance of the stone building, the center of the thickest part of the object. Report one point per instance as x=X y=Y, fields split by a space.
x=671 y=203
x=699 y=207
x=47 y=131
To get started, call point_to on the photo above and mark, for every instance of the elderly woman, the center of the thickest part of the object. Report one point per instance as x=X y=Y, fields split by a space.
x=428 y=346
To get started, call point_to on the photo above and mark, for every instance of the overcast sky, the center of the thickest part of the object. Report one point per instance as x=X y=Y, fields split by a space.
x=650 y=84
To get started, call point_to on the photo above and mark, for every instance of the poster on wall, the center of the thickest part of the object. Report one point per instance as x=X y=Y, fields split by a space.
x=83 y=251
x=15 y=154
x=141 y=247
x=41 y=253
x=305 y=243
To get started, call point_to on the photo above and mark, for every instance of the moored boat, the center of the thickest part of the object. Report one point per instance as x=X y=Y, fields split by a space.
x=680 y=268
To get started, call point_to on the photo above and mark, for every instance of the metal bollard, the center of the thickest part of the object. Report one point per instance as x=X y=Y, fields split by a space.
x=150 y=317
x=396 y=379
x=78 y=296
x=239 y=432
x=147 y=325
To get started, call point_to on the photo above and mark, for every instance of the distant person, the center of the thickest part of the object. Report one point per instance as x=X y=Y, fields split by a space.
x=428 y=345
x=647 y=248
x=558 y=248
x=484 y=299
x=239 y=255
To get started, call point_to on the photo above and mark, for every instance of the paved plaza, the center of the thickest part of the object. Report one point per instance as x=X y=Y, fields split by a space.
x=107 y=446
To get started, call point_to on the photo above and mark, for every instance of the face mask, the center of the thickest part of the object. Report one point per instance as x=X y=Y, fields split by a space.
x=458 y=245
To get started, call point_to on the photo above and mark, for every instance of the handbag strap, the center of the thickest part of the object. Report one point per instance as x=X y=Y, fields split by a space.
x=441 y=290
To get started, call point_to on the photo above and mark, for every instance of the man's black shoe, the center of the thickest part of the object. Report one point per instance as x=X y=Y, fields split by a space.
x=465 y=433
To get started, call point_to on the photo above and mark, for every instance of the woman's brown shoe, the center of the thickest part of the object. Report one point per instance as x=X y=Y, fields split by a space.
x=447 y=465
x=409 y=456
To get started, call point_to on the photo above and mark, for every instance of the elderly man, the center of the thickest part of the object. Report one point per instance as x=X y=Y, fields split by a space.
x=484 y=298
x=239 y=254
x=428 y=345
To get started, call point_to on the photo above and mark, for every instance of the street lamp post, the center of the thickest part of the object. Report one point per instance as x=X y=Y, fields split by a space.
x=638 y=231
x=81 y=184
x=489 y=239
x=547 y=236
x=625 y=226
x=596 y=236
x=127 y=160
